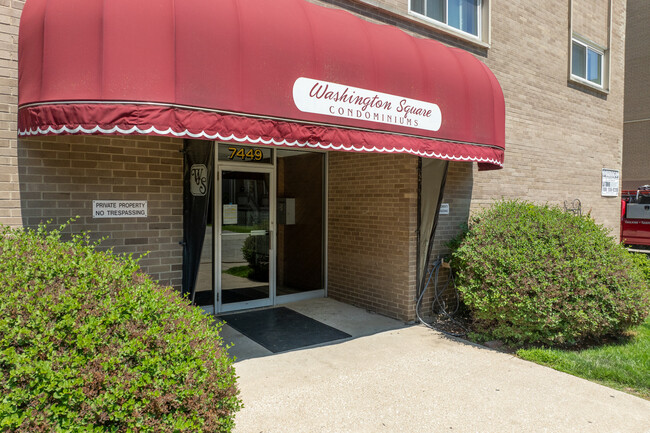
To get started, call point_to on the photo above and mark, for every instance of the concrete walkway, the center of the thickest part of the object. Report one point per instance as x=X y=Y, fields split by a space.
x=412 y=379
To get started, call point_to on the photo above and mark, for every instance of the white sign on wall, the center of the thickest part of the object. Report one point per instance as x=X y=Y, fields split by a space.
x=610 y=183
x=229 y=214
x=339 y=100
x=119 y=208
x=444 y=208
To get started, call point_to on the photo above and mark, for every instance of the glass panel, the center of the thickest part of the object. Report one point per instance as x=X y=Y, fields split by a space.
x=238 y=153
x=463 y=15
x=417 y=6
x=579 y=60
x=594 y=66
x=578 y=64
x=300 y=222
x=436 y=10
x=244 y=236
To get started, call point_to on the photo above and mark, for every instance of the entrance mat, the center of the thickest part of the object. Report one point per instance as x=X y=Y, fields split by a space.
x=281 y=329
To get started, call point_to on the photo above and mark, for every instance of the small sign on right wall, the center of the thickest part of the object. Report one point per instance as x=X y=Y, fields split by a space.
x=610 y=183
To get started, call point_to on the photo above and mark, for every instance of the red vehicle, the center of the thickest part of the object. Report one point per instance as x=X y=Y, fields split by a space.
x=635 y=217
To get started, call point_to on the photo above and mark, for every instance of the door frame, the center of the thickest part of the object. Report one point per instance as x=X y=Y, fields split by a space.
x=220 y=167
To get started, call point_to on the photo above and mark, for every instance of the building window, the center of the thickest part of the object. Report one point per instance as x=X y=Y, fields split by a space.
x=464 y=15
x=586 y=63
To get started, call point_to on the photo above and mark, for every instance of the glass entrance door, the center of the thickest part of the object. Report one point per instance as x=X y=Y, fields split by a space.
x=246 y=262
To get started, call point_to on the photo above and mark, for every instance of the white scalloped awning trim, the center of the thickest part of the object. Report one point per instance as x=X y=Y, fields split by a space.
x=246 y=139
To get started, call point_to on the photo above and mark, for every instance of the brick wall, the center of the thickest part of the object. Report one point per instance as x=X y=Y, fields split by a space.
x=372 y=211
x=636 y=154
x=590 y=19
x=9 y=193
x=372 y=240
x=636 y=141
x=61 y=176
x=559 y=136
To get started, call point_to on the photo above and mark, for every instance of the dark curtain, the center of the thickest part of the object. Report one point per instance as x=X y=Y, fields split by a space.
x=197 y=189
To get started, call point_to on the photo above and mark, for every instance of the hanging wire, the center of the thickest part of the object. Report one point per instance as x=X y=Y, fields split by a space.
x=439 y=305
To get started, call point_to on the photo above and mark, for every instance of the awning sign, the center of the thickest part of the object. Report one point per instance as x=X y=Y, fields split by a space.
x=332 y=99
x=610 y=183
x=119 y=208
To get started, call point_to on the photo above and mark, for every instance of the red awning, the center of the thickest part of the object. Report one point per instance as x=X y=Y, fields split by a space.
x=281 y=72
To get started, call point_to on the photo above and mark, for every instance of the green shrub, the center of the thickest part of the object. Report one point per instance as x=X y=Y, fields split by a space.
x=536 y=274
x=88 y=343
x=643 y=263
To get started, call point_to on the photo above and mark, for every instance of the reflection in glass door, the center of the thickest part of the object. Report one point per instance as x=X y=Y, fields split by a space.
x=245 y=237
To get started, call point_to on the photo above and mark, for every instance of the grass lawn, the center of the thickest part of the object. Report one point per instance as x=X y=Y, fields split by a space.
x=624 y=366
x=239 y=271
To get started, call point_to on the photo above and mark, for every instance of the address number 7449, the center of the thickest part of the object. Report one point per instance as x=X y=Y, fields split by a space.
x=245 y=153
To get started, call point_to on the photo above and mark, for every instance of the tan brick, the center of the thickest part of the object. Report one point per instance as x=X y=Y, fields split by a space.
x=371 y=231
x=636 y=151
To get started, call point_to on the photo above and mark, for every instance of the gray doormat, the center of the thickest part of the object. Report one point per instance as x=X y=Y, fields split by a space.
x=281 y=329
